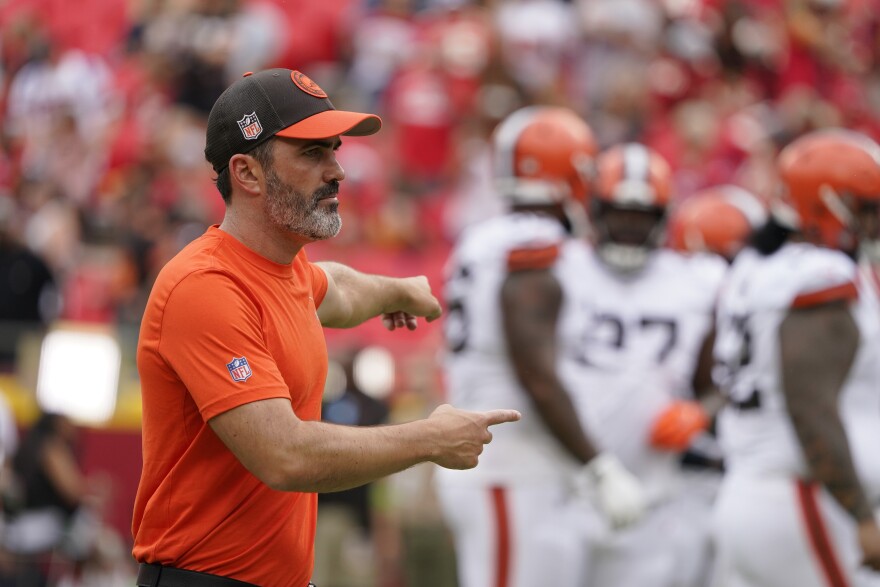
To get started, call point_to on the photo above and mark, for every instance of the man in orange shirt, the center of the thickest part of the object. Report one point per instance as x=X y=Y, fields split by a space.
x=232 y=357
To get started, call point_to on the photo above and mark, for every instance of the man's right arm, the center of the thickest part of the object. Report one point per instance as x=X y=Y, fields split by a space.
x=253 y=416
x=289 y=454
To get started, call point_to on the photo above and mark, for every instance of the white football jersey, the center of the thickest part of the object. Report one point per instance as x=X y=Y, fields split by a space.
x=755 y=430
x=639 y=350
x=478 y=372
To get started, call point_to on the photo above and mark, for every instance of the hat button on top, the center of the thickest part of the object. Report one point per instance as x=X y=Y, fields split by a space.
x=247 y=74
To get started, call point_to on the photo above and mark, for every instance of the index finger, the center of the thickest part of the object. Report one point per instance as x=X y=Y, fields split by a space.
x=501 y=416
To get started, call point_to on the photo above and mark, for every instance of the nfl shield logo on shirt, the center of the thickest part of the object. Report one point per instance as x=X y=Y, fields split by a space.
x=239 y=369
x=250 y=126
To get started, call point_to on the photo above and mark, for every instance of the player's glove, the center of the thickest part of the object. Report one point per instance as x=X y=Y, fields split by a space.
x=616 y=491
x=677 y=425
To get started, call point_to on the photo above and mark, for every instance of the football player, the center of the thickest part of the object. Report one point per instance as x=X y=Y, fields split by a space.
x=514 y=325
x=642 y=362
x=798 y=345
x=719 y=220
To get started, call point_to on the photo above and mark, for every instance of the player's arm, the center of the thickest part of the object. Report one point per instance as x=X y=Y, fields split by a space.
x=818 y=344
x=530 y=303
x=705 y=391
x=353 y=297
x=531 y=299
x=289 y=454
x=704 y=387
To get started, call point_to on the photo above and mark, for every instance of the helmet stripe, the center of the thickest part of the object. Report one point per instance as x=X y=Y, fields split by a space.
x=636 y=162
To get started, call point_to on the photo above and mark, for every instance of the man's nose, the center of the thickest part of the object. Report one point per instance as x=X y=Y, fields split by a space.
x=334 y=171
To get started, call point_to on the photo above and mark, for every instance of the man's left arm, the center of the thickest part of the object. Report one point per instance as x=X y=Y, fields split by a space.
x=353 y=298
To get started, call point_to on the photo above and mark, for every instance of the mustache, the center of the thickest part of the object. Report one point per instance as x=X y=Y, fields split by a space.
x=328 y=190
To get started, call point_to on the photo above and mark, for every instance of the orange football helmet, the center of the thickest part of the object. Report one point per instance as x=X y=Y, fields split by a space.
x=543 y=155
x=633 y=176
x=717 y=220
x=826 y=176
x=632 y=189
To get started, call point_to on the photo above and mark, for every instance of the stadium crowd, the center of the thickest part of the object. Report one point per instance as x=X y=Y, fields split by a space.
x=104 y=109
x=102 y=122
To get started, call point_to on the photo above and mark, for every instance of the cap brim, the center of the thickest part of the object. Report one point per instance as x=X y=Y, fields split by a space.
x=331 y=123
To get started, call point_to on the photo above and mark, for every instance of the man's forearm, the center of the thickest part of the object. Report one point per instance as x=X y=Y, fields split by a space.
x=289 y=454
x=354 y=297
x=331 y=458
x=361 y=296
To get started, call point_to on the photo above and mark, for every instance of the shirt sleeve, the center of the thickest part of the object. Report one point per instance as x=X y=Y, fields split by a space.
x=318 y=279
x=212 y=337
x=825 y=277
x=832 y=293
x=539 y=256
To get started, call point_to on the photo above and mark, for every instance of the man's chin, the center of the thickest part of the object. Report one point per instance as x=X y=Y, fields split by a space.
x=326 y=230
x=326 y=235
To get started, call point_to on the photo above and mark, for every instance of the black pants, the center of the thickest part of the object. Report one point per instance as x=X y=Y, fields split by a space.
x=150 y=575
x=159 y=576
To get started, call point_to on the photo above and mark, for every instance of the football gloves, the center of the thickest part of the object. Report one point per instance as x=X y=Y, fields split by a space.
x=677 y=425
x=616 y=491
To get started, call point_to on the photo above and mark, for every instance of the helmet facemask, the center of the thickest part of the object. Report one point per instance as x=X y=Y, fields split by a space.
x=632 y=191
x=626 y=236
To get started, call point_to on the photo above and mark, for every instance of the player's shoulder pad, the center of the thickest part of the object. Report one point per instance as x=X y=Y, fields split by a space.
x=538 y=256
x=533 y=242
x=693 y=278
x=819 y=275
x=705 y=269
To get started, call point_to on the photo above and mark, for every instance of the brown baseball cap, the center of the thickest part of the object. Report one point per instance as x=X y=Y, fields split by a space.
x=276 y=102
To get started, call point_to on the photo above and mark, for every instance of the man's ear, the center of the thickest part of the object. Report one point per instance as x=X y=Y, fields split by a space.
x=247 y=173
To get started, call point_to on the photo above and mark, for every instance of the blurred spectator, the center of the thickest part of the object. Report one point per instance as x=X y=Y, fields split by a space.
x=28 y=293
x=197 y=43
x=617 y=66
x=55 y=514
x=50 y=85
x=537 y=38
x=376 y=40
x=419 y=106
x=344 y=548
x=426 y=548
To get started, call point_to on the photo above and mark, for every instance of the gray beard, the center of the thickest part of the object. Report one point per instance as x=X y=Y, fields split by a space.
x=299 y=214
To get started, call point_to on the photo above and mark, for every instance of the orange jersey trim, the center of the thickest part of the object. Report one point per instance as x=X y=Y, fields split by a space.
x=846 y=291
x=817 y=532
x=525 y=259
x=502 y=536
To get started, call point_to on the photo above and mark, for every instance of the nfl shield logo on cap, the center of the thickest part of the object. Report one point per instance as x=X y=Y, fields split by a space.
x=239 y=369
x=250 y=126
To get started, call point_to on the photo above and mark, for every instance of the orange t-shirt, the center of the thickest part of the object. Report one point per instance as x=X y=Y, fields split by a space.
x=224 y=327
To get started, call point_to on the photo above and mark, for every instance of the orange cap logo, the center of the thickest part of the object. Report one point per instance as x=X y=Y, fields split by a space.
x=306 y=84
